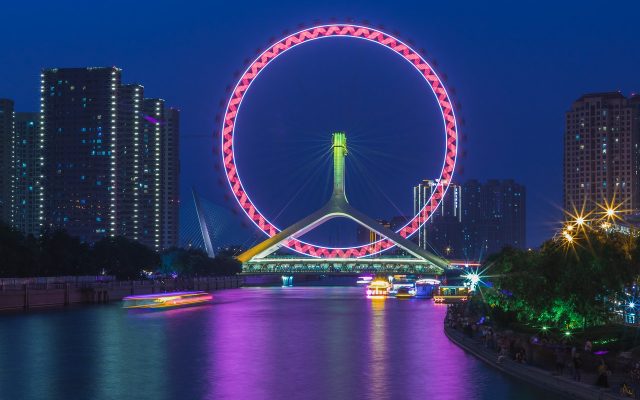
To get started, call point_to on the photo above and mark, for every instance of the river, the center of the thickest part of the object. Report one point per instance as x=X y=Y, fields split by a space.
x=251 y=343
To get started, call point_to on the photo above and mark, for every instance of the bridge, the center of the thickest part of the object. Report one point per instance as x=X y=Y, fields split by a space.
x=259 y=259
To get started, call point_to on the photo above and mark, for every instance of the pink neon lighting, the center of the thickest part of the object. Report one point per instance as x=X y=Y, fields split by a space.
x=328 y=31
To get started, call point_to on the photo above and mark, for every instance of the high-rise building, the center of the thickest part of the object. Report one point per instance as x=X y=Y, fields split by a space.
x=27 y=212
x=601 y=154
x=474 y=227
x=473 y=220
x=441 y=232
x=112 y=158
x=171 y=179
x=150 y=178
x=130 y=98
x=7 y=116
x=80 y=117
x=503 y=219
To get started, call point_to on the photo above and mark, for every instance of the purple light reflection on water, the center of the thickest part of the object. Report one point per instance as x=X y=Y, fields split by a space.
x=251 y=343
x=319 y=343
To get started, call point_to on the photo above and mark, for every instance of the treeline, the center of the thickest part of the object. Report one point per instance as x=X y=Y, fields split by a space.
x=566 y=284
x=58 y=254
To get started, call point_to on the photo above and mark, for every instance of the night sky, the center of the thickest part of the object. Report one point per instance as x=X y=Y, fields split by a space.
x=515 y=67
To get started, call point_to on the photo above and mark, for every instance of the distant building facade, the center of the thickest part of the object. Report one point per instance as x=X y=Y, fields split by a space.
x=79 y=106
x=150 y=189
x=28 y=179
x=441 y=233
x=21 y=174
x=7 y=115
x=128 y=145
x=601 y=154
x=170 y=218
x=474 y=220
x=499 y=221
x=365 y=235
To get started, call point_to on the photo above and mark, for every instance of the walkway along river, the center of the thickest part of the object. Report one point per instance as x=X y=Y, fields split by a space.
x=251 y=343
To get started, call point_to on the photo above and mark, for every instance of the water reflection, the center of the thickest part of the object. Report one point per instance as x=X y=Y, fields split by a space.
x=376 y=362
x=260 y=343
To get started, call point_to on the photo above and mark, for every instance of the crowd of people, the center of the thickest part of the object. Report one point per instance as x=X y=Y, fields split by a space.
x=509 y=345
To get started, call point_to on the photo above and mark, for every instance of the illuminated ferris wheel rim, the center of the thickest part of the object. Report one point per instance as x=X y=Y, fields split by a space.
x=349 y=31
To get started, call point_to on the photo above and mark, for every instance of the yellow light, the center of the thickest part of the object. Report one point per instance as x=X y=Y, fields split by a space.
x=568 y=237
x=580 y=220
x=612 y=210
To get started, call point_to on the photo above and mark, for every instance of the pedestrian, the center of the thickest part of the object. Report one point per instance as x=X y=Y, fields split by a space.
x=635 y=373
x=559 y=361
x=570 y=363
x=588 y=346
x=603 y=375
x=577 y=365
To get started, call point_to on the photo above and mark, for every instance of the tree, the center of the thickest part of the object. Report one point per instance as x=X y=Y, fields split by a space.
x=62 y=254
x=124 y=258
x=564 y=284
x=195 y=262
x=17 y=253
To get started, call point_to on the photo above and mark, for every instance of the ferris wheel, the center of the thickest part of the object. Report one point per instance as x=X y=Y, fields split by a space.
x=339 y=31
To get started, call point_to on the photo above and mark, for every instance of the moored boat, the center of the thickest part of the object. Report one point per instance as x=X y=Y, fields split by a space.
x=426 y=287
x=451 y=294
x=405 y=292
x=378 y=289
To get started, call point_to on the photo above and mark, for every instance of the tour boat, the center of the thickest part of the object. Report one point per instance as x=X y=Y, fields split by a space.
x=167 y=300
x=451 y=294
x=401 y=281
x=378 y=289
x=426 y=287
x=405 y=293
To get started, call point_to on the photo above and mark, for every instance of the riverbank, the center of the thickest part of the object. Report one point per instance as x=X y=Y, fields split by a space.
x=26 y=296
x=562 y=385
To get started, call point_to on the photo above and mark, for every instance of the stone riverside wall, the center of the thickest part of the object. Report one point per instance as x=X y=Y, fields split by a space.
x=26 y=296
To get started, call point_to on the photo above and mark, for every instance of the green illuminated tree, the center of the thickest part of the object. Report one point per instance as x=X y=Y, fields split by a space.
x=564 y=285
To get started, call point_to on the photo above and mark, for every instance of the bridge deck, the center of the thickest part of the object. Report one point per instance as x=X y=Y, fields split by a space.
x=340 y=266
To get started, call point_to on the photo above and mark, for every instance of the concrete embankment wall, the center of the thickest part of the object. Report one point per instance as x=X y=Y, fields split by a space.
x=33 y=295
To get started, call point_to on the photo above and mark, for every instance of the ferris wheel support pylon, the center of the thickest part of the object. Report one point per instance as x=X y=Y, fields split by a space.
x=338 y=207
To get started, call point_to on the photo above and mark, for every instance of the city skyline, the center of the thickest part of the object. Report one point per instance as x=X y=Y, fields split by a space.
x=496 y=134
x=362 y=199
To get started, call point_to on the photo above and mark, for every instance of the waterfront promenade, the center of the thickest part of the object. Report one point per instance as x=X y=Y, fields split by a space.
x=25 y=294
x=562 y=385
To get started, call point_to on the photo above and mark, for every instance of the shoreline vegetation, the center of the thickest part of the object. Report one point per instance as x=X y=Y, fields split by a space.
x=56 y=253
